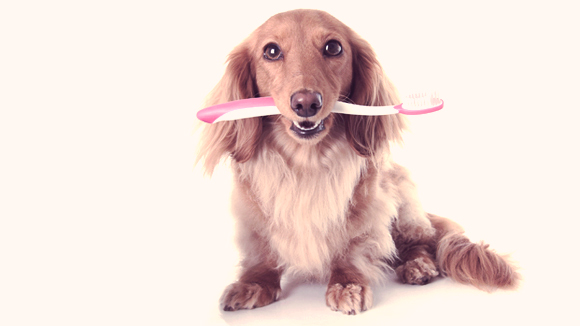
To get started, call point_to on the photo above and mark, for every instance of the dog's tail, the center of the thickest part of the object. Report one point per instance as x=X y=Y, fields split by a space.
x=470 y=263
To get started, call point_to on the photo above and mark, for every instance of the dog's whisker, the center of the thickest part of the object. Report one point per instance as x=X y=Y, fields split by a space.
x=344 y=98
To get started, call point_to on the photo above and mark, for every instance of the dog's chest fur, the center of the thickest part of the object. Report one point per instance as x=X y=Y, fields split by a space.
x=305 y=194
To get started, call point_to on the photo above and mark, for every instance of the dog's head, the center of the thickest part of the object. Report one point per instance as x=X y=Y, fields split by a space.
x=306 y=60
x=303 y=60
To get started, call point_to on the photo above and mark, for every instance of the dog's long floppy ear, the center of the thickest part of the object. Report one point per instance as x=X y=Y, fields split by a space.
x=235 y=138
x=369 y=136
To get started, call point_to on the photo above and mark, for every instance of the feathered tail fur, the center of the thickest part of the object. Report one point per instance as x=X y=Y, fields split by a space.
x=471 y=263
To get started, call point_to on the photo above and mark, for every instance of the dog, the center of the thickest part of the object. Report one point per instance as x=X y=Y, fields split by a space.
x=316 y=193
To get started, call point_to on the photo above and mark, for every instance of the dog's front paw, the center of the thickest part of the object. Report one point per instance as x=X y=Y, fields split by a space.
x=350 y=299
x=248 y=296
x=418 y=271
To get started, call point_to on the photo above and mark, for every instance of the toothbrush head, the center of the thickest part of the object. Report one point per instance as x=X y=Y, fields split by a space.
x=420 y=103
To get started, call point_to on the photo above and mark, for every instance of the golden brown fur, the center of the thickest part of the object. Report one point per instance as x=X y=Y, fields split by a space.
x=333 y=205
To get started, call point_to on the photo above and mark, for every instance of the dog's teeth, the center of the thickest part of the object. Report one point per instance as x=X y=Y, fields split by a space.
x=314 y=126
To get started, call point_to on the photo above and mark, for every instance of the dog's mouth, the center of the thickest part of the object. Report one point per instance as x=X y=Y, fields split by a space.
x=307 y=129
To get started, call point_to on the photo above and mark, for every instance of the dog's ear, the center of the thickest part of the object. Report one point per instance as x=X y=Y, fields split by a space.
x=369 y=136
x=237 y=138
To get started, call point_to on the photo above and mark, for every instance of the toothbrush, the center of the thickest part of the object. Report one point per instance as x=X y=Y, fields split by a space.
x=420 y=103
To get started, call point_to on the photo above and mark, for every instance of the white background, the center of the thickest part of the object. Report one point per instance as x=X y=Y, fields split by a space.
x=105 y=221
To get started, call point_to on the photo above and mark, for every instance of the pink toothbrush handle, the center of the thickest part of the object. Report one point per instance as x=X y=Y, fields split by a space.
x=210 y=114
x=416 y=112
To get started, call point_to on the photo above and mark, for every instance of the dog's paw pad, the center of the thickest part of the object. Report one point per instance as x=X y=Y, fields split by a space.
x=419 y=271
x=247 y=296
x=350 y=299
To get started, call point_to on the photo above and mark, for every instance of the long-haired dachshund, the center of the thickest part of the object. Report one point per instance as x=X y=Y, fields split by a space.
x=316 y=193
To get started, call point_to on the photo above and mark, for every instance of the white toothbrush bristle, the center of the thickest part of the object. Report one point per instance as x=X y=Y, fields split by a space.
x=421 y=100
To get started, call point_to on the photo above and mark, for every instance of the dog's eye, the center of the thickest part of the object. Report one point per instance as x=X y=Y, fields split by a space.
x=272 y=52
x=332 y=48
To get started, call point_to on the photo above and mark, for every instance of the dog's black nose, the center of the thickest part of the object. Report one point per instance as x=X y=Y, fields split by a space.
x=306 y=103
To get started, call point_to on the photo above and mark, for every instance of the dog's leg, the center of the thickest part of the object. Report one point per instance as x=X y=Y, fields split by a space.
x=412 y=231
x=417 y=263
x=259 y=282
x=348 y=290
x=258 y=286
x=415 y=239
